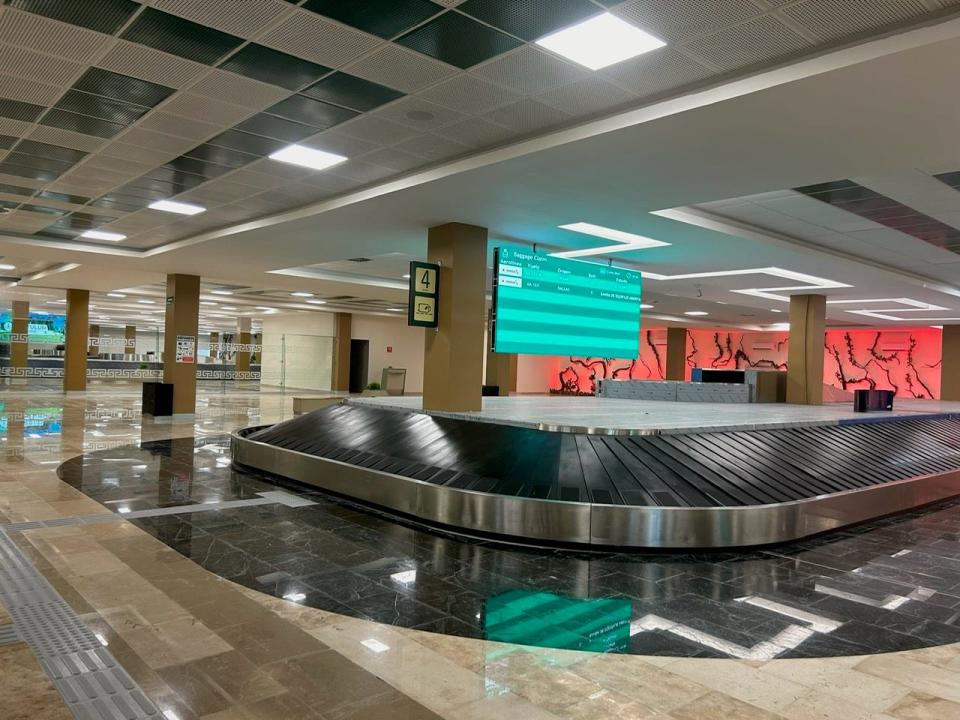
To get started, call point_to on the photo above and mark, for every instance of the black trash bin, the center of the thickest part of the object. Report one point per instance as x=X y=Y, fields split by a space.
x=872 y=400
x=157 y=399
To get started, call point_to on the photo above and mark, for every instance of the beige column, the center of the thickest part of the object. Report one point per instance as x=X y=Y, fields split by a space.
x=342 y=333
x=676 y=354
x=242 y=362
x=453 y=353
x=75 y=355
x=214 y=341
x=808 y=315
x=130 y=340
x=183 y=315
x=502 y=371
x=93 y=349
x=950 y=367
x=19 y=341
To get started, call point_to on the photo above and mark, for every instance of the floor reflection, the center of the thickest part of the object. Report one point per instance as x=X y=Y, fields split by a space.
x=890 y=585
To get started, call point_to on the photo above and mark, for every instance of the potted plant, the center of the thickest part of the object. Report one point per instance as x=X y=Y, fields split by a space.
x=374 y=390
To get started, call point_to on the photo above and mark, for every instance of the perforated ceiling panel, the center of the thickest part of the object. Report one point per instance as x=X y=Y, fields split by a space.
x=191 y=96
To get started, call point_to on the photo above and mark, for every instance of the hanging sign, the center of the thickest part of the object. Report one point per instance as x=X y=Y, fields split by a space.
x=423 y=295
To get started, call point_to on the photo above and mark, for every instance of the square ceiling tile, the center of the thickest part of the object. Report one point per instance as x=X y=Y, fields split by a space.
x=530 y=70
x=98 y=107
x=469 y=95
x=420 y=114
x=351 y=92
x=54 y=152
x=157 y=141
x=169 y=124
x=585 y=97
x=677 y=21
x=221 y=155
x=51 y=37
x=35 y=66
x=433 y=147
x=122 y=203
x=65 y=138
x=122 y=87
x=833 y=19
x=18 y=110
x=230 y=87
x=277 y=128
x=219 y=192
x=151 y=65
x=311 y=112
x=476 y=133
x=274 y=67
x=27 y=90
x=401 y=69
x=360 y=171
x=337 y=142
x=377 y=130
x=246 y=18
x=81 y=123
x=195 y=166
x=394 y=159
x=458 y=40
x=6 y=142
x=527 y=116
x=530 y=19
x=106 y=16
x=149 y=156
x=386 y=18
x=61 y=197
x=180 y=37
x=309 y=36
x=750 y=43
x=656 y=72
x=189 y=105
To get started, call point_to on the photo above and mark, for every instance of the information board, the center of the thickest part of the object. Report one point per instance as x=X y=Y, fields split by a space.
x=186 y=349
x=545 y=305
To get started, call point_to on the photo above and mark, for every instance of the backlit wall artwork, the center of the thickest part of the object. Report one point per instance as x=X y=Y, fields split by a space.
x=905 y=361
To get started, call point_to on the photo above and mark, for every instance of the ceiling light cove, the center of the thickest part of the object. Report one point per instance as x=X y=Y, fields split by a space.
x=696 y=313
x=103 y=235
x=116 y=295
x=628 y=241
x=307 y=157
x=317 y=302
x=600 y=41
x=909 y=306
x=180 y=208
x=221 y=292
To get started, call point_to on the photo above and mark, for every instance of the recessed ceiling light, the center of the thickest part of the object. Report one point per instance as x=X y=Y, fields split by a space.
x=302 y=294
x=406 y=276
x=116 y=295
x=180 y=208
x=775 y=310
x=600 y=41
x=261 y=307
x=644 y=306
x=317 y=302
x=4 y=266
x=696 y=313
x=220 y=292
x=147 y=302
x=103 y=235
x=207 y=302
x=224 y=307
x=307 y=157
x=394 y=310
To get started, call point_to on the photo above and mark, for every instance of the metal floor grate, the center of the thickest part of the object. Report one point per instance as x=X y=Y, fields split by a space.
x=85 y=673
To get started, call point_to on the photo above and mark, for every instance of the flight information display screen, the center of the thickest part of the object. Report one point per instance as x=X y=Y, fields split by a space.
x=545 y=305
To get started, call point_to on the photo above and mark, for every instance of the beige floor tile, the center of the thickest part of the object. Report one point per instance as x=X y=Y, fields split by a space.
x=25 y=691
x=920 y=706
x=751 y=685
x=833 y=678
x=717 y=706
x=922 y=677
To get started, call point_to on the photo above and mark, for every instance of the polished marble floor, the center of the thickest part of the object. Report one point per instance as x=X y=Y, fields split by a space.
x=651 y=415
x=202 y=646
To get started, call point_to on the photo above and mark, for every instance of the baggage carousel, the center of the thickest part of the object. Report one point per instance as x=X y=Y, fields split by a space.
x=733 y=488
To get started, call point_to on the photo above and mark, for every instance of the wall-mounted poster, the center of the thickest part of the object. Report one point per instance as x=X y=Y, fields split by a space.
x=186 y=349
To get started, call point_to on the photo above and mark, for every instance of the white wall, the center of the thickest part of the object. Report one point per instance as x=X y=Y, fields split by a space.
x=298 y=351
x=406 y=342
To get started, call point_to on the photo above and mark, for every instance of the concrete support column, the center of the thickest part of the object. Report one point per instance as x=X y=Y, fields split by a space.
x=950 y=367
x=342 y=334
x=77 y=345
x=676 y=354
x=242 y=362
x=502 y=371
x=808 y=316
x=93 y=349
x=183 y=315
x=214 y=341
x=130 y=340
x=453 y=353
x=19 y=341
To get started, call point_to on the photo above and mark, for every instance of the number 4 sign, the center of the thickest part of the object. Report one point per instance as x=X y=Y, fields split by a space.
x=423 y=294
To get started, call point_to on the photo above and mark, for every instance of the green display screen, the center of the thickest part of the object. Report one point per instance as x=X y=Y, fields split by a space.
x=555 y=306
x=547 y=620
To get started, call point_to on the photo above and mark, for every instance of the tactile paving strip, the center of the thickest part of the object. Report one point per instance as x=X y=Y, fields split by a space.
x=91 y=681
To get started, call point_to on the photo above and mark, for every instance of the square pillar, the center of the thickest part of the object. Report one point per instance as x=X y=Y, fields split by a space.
x=453 y=353
x=182 y=321
x=242 y=358
x=19 y=341
x=502 y=371
x=808 y=317
x=343 y=333
x=76 y=346
x=676 y=354
x=130 y=340
x=950 y=367
x=214 y=342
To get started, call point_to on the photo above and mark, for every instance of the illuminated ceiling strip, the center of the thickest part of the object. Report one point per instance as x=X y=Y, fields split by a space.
x=605 y=250
x=811 y=282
